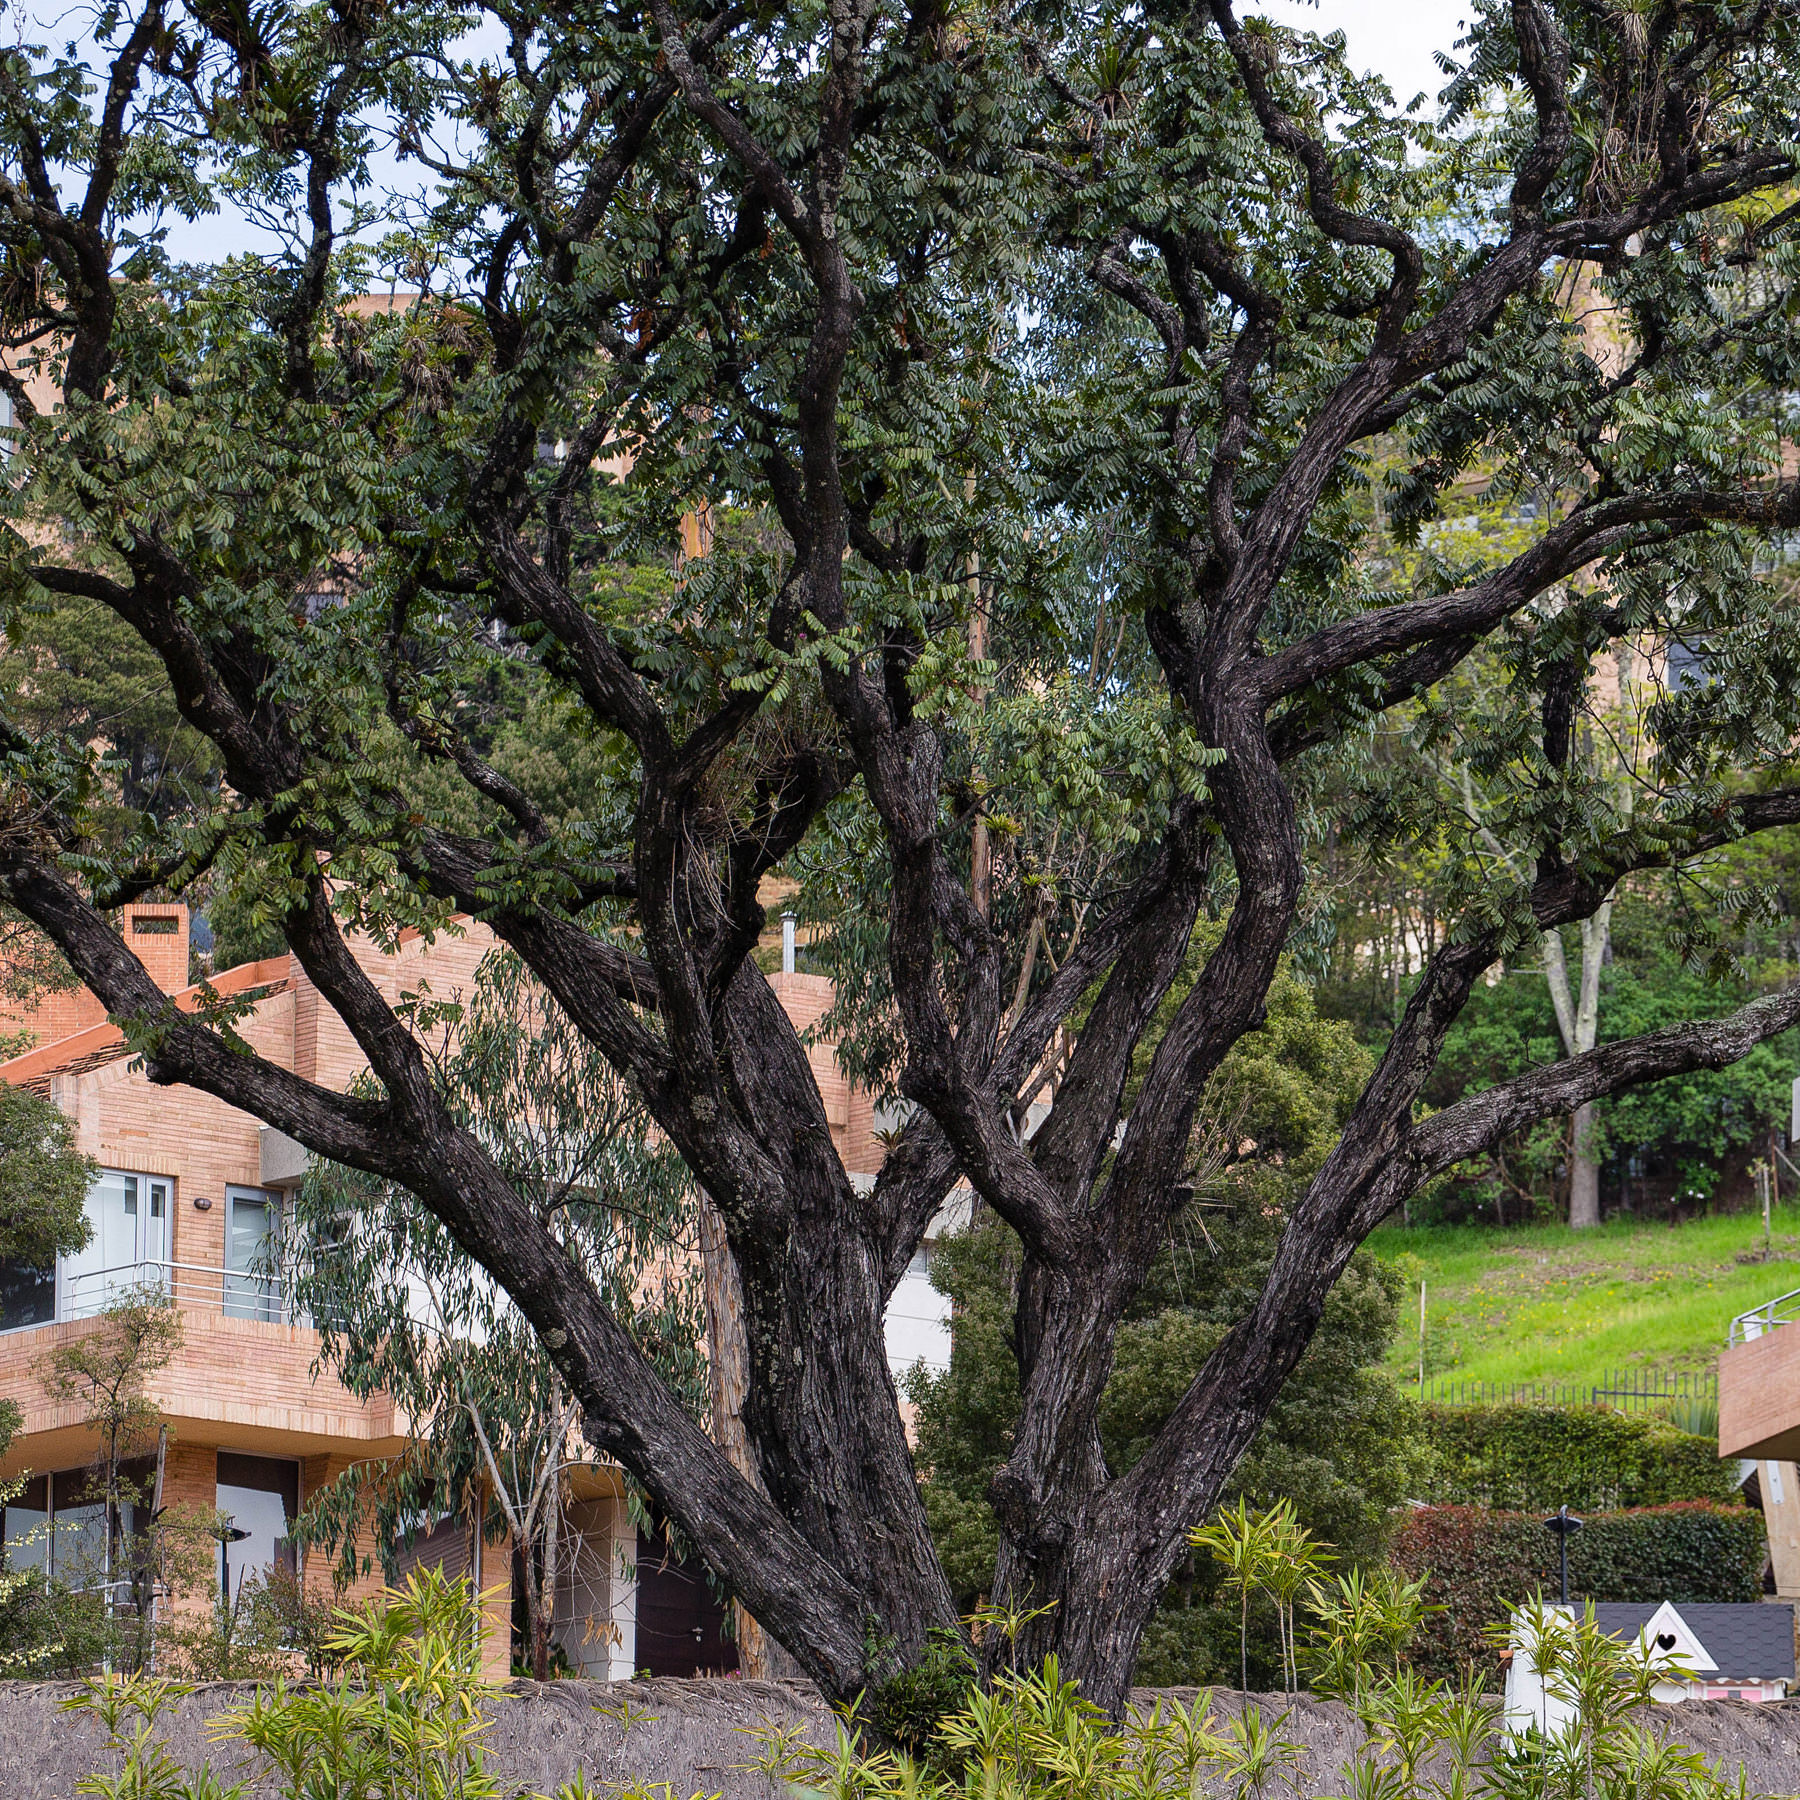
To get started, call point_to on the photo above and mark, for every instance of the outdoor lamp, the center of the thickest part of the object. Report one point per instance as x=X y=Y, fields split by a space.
x=1565 y=1524
x=229 y=1534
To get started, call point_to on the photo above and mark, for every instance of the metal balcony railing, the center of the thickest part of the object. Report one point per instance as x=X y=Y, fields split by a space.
x=228 y=1292
x=1784 y=1309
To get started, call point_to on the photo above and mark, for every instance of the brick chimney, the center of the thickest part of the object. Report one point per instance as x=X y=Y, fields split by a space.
x=157 y=935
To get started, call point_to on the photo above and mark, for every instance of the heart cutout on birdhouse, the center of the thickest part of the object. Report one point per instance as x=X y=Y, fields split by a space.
x=1665 y=1640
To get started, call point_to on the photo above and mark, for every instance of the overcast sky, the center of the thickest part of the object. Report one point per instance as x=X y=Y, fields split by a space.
x=1395 y=38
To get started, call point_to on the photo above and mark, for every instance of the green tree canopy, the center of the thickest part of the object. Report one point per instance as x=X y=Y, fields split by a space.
x=1671 y=1141
x=43 y=1181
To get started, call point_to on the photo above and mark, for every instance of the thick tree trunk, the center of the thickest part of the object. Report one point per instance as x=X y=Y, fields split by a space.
x=1095 y=1629
x=818 y=1412
x=824 y=1421
x=1093 y=1563
x=760 y=1656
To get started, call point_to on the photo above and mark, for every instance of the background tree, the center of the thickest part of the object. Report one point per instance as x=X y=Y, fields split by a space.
x=1680 y=1143
x=129 y=1556
x=1067 y=317
x=76 y=669
x=43 y=1182
x=1342 y=1443
x=402 y=1311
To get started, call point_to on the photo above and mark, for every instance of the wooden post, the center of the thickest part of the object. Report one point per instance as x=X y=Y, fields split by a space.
x=1421 y=1337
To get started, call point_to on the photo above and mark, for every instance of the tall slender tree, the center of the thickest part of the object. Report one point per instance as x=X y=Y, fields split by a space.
x=404 y=1312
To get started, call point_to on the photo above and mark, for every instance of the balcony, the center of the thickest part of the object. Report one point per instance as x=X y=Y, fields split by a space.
x=34 y=1298
x=246 y=1374
x=87 y=1293
x=1759 y=1383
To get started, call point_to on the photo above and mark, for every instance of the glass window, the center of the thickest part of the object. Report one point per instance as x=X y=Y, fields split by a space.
x=25 y=1526
x=77 y=1530
x=127 y=1247
x=58 y=1522
x=27 y=1295
x=252 y=1250
x=260 y=1495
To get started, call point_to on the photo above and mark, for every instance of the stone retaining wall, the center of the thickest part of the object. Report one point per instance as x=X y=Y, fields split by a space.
x=695 y=1736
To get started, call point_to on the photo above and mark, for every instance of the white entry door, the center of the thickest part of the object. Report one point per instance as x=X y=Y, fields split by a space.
x=127 y=1247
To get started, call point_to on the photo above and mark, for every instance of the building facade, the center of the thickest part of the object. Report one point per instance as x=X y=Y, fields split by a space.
x=189 y=1199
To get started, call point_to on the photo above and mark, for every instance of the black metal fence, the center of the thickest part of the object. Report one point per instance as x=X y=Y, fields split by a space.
x=1627 y=1390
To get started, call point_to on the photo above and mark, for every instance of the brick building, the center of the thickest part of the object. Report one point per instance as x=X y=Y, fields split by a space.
x=190 y=1193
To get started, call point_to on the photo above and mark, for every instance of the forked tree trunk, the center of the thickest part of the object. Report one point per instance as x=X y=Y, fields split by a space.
x=1578 y=1021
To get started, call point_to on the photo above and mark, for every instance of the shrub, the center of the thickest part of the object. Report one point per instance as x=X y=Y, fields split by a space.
x=907 y=1708
x=1033 y=1737
x=403 y=1722
x=270 y=1626
x=1588 y=1457
x=1483 y=1564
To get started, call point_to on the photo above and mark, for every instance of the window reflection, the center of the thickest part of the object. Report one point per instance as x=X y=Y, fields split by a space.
x=27 y=1295
x=25 y=1527
x=260 y=1495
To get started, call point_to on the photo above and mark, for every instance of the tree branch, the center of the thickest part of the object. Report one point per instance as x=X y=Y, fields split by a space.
x=1337 y=221
x=1479 y=1121
x=1593 y=532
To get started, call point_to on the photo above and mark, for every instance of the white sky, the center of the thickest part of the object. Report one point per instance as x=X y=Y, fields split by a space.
x=1395 y=38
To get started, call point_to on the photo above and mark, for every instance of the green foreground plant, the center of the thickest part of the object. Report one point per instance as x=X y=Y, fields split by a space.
x=1600 y=1746
x=1033 y=1736
x=404 y=1718
x=1271 y=1551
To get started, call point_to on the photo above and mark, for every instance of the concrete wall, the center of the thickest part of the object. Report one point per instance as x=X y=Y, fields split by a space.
x=691 y=1734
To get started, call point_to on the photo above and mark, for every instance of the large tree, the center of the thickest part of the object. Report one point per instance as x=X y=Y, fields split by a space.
x=1343 y=1443
x=1072 y=337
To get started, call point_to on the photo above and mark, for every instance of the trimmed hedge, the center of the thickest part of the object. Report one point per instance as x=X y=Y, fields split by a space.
x=1587 y=1457
x=1481 y=1564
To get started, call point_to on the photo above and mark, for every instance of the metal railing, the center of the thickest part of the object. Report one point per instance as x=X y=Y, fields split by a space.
x=1784 y=1309
x=1625 y=1390
x=229 y=1292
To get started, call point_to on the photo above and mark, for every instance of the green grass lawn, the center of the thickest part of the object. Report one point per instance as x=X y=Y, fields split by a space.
x=1549 y=1304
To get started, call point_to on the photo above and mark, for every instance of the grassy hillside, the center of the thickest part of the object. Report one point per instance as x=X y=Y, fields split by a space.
x=1550 y=1304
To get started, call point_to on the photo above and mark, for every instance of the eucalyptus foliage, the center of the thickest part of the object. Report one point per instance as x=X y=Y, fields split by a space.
x=404 y=1313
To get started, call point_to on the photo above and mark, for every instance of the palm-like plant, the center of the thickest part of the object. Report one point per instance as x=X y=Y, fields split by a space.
x=1240 y=1544
x=1269 y=1550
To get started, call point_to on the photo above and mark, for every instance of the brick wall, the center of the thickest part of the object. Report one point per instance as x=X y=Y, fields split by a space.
x=250 y=1384
x=157 y=935
x=320 y=1574
x=849 y=1111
